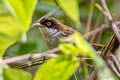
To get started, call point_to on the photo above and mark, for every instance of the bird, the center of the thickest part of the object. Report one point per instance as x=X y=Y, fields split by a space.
x=52 y=30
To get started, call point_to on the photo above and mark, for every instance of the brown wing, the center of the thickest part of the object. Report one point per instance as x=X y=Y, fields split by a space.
x=68 y=31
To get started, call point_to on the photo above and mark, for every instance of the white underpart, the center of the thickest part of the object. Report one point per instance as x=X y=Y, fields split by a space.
x=59 y=34
x=51 y=30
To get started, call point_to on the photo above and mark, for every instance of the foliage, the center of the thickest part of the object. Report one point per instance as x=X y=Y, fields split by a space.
x=67 y=7
x=62 y=67
x=17 y=39
x=18 y=74
x=16 y=17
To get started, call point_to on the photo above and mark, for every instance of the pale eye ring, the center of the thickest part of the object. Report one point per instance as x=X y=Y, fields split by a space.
x=49 y=23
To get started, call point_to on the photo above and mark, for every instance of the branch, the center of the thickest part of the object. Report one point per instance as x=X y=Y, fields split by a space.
x=109 y=17
x=90 y=16
x=116 y=62
x=32 y=56
x=29 y=64
x=97 y=30
x=113 y=68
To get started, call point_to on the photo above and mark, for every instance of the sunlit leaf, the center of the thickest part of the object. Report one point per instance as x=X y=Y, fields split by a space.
x=15 y=19
x=83 y=46
x=69 y=49
x=13 y=74
x=4 y=43
x=9 y=30
x=59 y=68
x=80 y=47
x=70 y=8
x=23 y=10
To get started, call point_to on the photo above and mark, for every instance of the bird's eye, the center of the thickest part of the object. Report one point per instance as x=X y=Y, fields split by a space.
x=49 y=23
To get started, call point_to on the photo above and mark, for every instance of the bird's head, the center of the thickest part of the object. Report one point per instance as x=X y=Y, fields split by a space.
x=49 y=26
x=53 y=28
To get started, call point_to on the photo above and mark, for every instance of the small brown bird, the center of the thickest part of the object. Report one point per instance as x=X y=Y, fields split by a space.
x=52 y=30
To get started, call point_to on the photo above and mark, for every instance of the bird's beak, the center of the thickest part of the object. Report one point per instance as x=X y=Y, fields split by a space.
x=37 y=24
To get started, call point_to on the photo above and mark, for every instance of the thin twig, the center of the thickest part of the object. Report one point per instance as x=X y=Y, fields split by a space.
x=90 y=16
x=95 y=26
x=100 y=9
x=101 y=32
x=49 y=14
x=97 y=30
x=38 y=62
x=112 y=66
x=106 y=10
x=115 y=60
x=97 y=45
x=106 y=26
x=75 y=76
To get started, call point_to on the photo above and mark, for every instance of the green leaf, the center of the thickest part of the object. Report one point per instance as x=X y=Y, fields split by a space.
x=23 y=9
x=83 y=46
x=59 y=68
x=80 y=47
x=70 y=8
x=13 y=74
x=15 y=19
x=4 y=43
x=9 y=30
x=69 y=48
